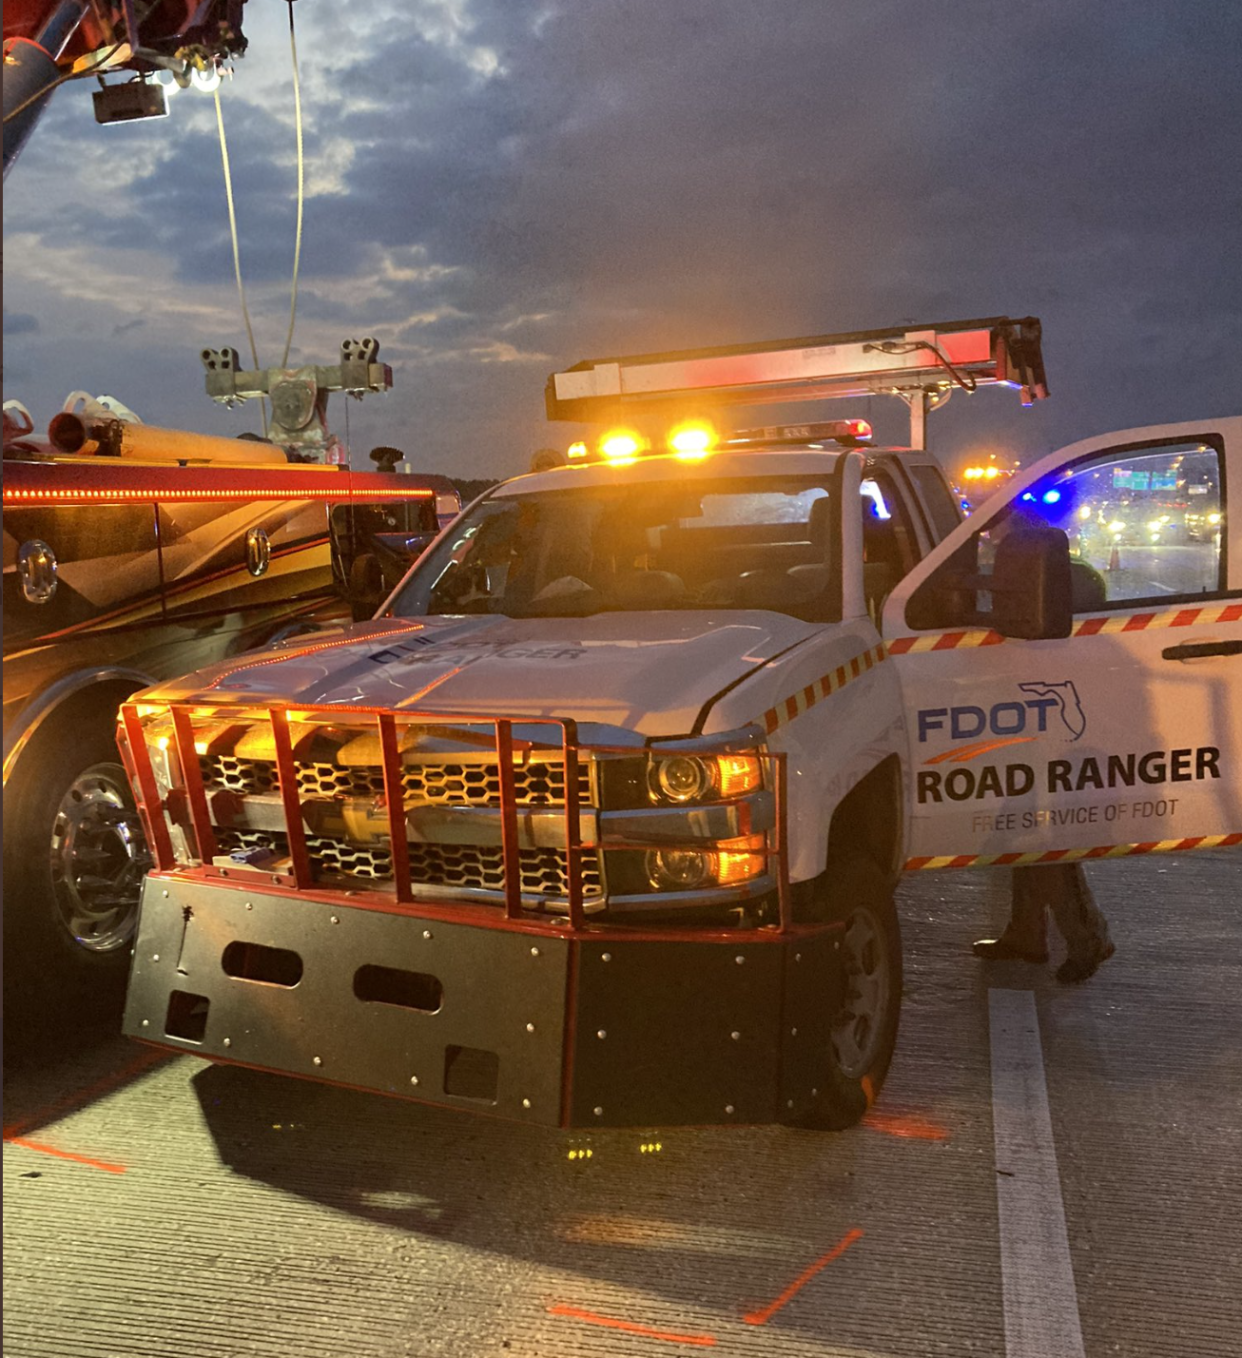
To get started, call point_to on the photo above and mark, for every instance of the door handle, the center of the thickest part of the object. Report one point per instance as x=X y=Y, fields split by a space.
x=1192 y=650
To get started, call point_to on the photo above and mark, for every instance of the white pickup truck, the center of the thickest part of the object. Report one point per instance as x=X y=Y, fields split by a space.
x=597 y=822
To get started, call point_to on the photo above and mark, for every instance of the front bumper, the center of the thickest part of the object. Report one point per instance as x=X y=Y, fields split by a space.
x=462 y=1007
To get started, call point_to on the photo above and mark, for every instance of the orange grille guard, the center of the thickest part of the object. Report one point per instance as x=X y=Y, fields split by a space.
x=190 y=797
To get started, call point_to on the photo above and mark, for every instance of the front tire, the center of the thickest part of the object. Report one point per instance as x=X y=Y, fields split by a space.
x=74 y=862
x=856 y=894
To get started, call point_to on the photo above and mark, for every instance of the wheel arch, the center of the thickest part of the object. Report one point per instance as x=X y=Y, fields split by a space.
x=70 y=696
x=870 y=818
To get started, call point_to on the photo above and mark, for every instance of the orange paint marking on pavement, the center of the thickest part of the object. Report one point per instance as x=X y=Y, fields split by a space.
x=762 y=1317
x=149 y=1057
x=703 y=1341
x=65 y=1155
x=905 y=1124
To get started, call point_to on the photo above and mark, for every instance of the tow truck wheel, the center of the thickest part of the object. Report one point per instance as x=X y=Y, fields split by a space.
x=75 y=857
x=857 y=895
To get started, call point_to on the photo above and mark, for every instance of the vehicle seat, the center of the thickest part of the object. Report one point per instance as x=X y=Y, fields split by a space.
x=1088 y=587
x=639 y=589
x=767 y=588
x=878 y=581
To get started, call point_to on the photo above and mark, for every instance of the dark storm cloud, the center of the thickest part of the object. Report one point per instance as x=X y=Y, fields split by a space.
x=663 y=168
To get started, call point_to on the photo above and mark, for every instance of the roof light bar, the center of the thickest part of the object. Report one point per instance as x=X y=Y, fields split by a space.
x=821 y=367
x=849 y=432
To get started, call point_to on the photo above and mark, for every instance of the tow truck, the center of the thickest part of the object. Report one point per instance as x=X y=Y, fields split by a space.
x=131 y=552
x=597 y=822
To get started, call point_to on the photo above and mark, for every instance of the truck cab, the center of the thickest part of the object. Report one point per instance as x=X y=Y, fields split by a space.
x=597 y=822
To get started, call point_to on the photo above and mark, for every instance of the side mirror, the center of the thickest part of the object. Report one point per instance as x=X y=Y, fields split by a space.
x=1032 y=585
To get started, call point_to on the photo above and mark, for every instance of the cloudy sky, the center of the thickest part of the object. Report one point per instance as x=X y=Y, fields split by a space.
x=498 y=188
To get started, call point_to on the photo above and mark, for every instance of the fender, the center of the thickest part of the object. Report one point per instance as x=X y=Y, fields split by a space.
x=40 y=708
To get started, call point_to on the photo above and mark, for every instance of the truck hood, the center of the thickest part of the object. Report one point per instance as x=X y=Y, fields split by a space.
x=652 y=673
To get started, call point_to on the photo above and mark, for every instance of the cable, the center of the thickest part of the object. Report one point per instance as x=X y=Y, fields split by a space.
x=349 y=455
x=60 y=80
x=241 y=291
x=969 y=382
x=297 y=248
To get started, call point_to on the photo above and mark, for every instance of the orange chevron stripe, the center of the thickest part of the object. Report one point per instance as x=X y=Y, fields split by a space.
x=988 y=860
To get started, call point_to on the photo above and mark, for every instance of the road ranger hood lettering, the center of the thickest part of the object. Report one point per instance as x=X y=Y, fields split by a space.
x=597 y=669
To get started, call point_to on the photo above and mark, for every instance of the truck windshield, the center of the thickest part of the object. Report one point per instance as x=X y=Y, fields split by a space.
x=757 y=543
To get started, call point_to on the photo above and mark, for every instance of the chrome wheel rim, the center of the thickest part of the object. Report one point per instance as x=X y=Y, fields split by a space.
x=98 y=856
x=858 y=1029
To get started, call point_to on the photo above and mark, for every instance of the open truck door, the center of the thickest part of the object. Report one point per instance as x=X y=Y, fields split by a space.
x=1071 y=658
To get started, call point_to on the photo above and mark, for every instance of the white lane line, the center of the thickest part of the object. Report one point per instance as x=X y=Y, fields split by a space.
x=1041 y=1304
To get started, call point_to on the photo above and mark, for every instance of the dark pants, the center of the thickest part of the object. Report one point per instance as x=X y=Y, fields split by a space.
x=1061 y=887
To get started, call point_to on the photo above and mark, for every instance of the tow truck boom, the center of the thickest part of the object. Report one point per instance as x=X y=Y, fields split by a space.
x=914 y=363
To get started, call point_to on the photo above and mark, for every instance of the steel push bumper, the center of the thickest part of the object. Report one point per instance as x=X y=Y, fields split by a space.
x=595 y=1027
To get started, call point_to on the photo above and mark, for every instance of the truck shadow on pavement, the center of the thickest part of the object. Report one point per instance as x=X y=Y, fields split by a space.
x=689 y=1219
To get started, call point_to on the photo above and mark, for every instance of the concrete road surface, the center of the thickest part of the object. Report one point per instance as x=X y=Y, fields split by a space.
x=1051 y=1173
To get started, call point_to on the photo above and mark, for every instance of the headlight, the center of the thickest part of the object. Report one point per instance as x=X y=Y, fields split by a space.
x=683 y=778
x=678 y=869
x=725 y=864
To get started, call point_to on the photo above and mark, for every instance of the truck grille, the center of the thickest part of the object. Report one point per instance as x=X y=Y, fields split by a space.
x=463 y=866
x=455 y=784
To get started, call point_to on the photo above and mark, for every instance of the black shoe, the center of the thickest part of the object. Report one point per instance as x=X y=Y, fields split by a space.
x=1004 y=950
x=1075 y=969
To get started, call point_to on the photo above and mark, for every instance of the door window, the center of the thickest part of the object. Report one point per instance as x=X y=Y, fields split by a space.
x=937 y=498
x=1145 y=527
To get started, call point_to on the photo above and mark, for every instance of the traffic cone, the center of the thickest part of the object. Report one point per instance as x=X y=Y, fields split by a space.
x=1114 y=559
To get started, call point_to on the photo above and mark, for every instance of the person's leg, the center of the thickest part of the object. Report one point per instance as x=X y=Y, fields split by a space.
x=1025 y=937
x=1080 y=921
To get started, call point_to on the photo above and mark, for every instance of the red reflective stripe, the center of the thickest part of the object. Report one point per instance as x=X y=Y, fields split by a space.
x=1186 y=617
x=948 y=641
x=962 y=860
x=913 y=864
x=791 y=708
x=1003 y=860
x=1230 y=613
x=1146 y=847
x=771 y=719
x=394 y=799
x=901 y=645
x=1136 y=622
x=1090 y=626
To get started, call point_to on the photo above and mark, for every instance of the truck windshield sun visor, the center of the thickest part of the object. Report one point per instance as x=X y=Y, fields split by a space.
x=728 y=544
